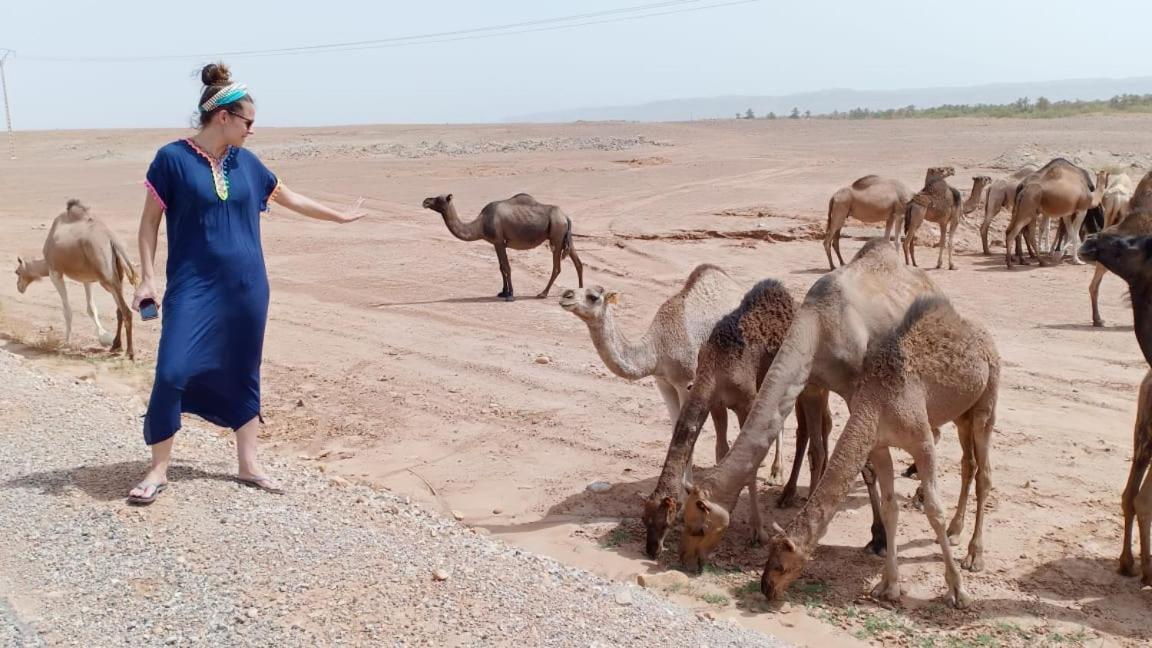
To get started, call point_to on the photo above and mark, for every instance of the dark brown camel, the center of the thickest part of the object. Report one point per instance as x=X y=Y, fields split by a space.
x=519 y=223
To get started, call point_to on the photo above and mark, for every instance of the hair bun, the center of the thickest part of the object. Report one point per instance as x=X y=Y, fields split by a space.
x=215 y=74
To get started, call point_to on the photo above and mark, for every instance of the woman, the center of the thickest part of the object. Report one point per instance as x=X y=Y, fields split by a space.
x=216 y=303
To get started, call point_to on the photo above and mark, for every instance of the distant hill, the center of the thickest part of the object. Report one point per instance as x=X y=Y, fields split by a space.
x=843 y=100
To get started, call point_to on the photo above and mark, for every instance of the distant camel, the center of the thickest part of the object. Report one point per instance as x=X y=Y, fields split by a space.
x=83 y=249
x=519 y=223
x=870 y=199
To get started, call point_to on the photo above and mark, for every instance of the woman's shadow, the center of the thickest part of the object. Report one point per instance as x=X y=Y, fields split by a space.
x=104 y=482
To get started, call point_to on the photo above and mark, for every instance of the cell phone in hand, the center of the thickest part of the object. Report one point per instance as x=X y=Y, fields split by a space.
x=148 y=309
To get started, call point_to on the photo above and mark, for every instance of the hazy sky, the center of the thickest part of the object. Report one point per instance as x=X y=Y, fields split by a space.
x=763 y=47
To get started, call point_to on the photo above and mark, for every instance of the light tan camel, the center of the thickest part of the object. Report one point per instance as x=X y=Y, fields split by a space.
x=732 y=364
x=519 y=223
x=842 y=313
x=1061 y=190
x=1002 y=195
x=1130 y=257
x=1116 y=197
x=939 y=203
x=936 y=367
x=1140 y=224
x=870 y=199
x=82 y=248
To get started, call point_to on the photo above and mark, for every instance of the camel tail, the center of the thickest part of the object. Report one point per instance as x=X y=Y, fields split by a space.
x=124 y=265
x=567 y=245
x=908 y=217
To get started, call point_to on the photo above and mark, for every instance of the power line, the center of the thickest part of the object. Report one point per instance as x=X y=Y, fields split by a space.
x=546 y=24
x=7 y=113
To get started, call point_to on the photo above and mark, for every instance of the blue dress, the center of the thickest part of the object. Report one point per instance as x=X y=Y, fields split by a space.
x=216 y=304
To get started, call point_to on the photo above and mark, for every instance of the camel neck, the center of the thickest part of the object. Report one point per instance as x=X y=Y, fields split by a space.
x=627 y=360
x=684 y=435
x=846 y=462
x=974 y=198
x=37 y=267
x=472 y=231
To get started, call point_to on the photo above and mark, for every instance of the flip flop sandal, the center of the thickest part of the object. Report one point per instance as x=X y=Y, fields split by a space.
x=147 y=499
x=263 y=483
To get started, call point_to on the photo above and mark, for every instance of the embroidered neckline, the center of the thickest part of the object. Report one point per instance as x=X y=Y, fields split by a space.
x=219 y=171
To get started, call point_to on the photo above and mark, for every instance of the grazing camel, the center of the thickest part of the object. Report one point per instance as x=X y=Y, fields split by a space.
x=1139 y=224
x=731 y=367
x=84 y=249
x=1130 y=257
x=940 y=204
x=842 y=313
x=1002 y=195
x=870 y=199
x=519 y=223
x=1061 y=190
x=934 y=368
x=1116 y=197
x=668 y=349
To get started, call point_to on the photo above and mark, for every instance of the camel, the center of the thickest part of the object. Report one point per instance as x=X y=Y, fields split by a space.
x=1116 y=197
x=842 y=312
x=668 y=350
x=940 y=204
x=83 y=248
x=1002 y=195
x=1061 y=190
x=519 y=223
x=731 y=366
x=870 y=199
x=934 y=368
x=1130 y=257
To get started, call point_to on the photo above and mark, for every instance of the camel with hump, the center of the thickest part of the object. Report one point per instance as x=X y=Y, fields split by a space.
x=1060 y=190
x=82 y=248
x=842 y=313
x=869 y=199
x=1134 y=222
x=934 y=368
x=939 y=203
x=731 y=366
x=518 y=223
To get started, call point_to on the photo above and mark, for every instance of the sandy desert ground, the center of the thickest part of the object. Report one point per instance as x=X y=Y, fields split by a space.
x=389 y=360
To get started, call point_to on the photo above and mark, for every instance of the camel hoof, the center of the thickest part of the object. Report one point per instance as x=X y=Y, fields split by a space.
x=1146 y=580
x=973 y=563
x=1098 y=323
x=542 y=295
x=508 y=298
x=1127 y=567
x=959 y=599
x=886 y=592
x=787 y=499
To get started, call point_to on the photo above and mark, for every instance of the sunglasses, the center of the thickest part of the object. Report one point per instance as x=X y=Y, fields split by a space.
x=247 y=122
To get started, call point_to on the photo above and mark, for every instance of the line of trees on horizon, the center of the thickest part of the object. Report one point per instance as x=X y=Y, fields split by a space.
x=1023 y=107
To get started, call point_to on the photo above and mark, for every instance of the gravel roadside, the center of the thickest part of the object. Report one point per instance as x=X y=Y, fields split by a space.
x=216 y=563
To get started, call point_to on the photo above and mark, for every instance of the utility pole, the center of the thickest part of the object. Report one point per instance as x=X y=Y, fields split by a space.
x=7 y=112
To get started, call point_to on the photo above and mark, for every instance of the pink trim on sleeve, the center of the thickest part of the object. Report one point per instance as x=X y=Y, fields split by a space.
x=272 y=196
x=156 y=195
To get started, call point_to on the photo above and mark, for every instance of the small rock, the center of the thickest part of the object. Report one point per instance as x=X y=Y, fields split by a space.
x=663 y=580
x=253 y=613
x=599 y=487
x=623 y=597
x=299 y=402
x=339 y=481
x=785 y=608
x=543 y=359
x=458 y=515
x=706 y=615
x=497 y=511
x=440 y=575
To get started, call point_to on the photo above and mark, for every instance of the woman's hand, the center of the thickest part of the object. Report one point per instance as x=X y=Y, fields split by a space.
x=143 y=291
x=354 y=213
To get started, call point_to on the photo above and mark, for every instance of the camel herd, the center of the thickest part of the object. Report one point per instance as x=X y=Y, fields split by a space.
x=877 y=331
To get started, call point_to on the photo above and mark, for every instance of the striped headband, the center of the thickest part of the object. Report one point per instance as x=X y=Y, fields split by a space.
x=224 y=96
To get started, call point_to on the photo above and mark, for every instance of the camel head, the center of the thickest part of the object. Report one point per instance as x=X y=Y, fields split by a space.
x=438 y=203
x=24 y=275
x=1126 y=256
x=704 y=525
x=659 y=516
x=589 y=304
x=1102 y=179
x=785 y=563
x=979 y=183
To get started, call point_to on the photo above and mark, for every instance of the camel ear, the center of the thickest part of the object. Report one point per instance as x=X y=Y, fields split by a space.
x=669 y=502
x=777 y=528
x=448 y=198
x=791 y=545
x=612 y=297
x=20 y=262
x=702 y=506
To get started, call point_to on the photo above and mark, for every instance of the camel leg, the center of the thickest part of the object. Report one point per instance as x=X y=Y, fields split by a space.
x=788 y=496
x=991 y=208
x=983 y=418
x=879 y=543
x=58 y=281
x=1141 y=456
x=836 y=246
x=557 y=253
x=1094 y=294
x=951 y=240
x=123 y=318
x=926 y=463
x=505 y=272
x=1144 y=521
x=943 y=242
x=720 y=422
x=576 y=263
x=671 y=398
x=967 y=466
x=888 y=588
x=91 y=307
x=1074 y=235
